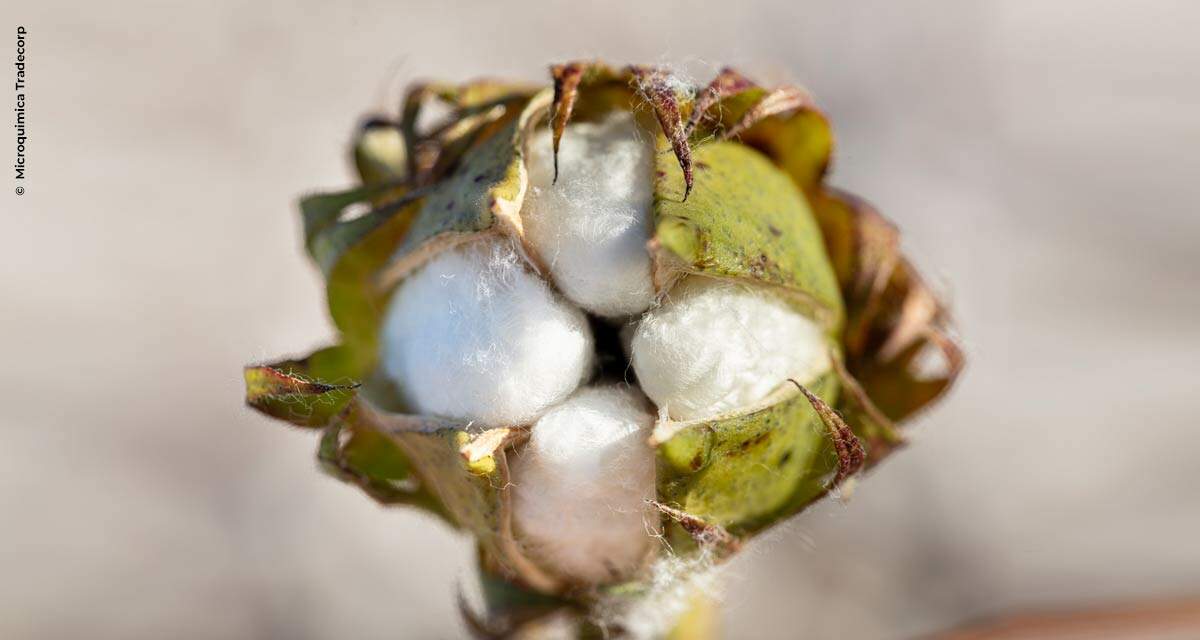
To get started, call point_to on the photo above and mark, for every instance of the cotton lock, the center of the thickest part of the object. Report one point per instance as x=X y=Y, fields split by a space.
x=591 y=226
x=713 y=347
x=474 y=335
x=581 y=484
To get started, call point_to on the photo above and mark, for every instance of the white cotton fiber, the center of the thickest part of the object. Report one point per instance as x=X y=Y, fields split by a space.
x=581 y=483
x=474 y=335
x=715 y=346
x=591 y=226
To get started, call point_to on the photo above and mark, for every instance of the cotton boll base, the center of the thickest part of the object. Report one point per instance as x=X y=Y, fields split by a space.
x=716 y=346
x=474 y=335
x=591 y=226
x=581 y=483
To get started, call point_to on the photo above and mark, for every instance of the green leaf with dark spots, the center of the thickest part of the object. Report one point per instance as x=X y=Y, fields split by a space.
x=781 y=124
x=745 y=219
x=745 y=472
x=483 y=191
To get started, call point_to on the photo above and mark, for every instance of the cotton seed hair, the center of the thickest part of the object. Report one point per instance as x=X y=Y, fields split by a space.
x=475 y=335
x=714 y=347
x=592 y=224
x=581 y=484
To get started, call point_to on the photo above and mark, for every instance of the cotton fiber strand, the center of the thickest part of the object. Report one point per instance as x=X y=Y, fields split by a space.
x=715 y=346
x=474 y=335
x=591 y=226
x=581 y=483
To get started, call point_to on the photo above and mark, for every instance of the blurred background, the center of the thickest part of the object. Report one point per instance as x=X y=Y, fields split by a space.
x=1039 y=157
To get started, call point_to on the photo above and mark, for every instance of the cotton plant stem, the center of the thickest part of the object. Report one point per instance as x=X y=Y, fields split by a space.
x=516 y=612
x=702 y=620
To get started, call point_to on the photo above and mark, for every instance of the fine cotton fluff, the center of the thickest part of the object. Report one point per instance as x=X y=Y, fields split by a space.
x=715 y=346
x=581 y=483
x=591 y=226
x=474 y=335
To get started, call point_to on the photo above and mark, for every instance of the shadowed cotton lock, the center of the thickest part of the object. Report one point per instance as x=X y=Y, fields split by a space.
x=581 y=484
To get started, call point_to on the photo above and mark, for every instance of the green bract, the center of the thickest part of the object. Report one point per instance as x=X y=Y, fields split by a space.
x=739 y=194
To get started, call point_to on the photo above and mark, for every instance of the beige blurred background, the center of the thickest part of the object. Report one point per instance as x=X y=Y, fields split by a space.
x=1040 y=157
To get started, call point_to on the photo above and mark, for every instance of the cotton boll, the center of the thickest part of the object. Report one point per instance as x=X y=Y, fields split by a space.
x=581 y=483
x=716 y=346
x=474 y=335
x=591 y=226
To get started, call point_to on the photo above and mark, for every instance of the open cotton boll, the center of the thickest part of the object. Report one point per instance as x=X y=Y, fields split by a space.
x=474 y=335
x=715 y=346
x=591 y=226
x=581 y=483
